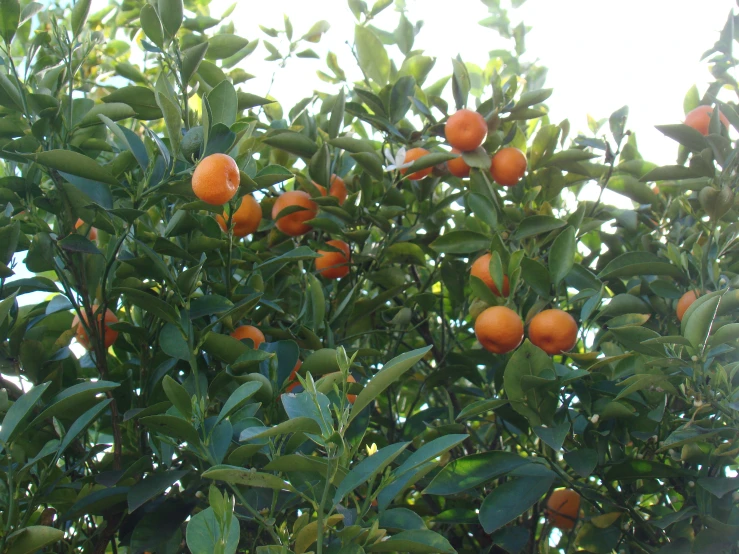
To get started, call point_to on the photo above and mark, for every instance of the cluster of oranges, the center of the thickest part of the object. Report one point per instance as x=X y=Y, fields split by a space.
x=216 y=181
x=500 y=329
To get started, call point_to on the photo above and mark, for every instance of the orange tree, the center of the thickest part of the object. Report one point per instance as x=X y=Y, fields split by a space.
x=259 y=327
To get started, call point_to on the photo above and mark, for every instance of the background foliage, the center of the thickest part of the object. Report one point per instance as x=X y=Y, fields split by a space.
x=180 y=438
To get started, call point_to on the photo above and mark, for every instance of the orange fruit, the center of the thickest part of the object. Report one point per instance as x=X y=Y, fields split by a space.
x=508 y=166
x=686 y=300
x=457 y=166
x=499 y=329
x=554 y=331
x=563 y=507
x=292 y=380
x=411 y=156
x=249 y=332
x=109 y=335
x=481 y=270
x=337 y=189
x=216 y=179
x=246 y=218
x=293 y=224
x=92 y=234
x=465 y=130
x=351 y=397
x=333 y=264
x=700 y=119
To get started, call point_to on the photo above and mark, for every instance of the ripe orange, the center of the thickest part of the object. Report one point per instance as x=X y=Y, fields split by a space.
x=554 y=331
x=508 y=166
x=563 y=508
x=481 y=270
x=700 y=119
x=685 y=302
x=216 y=179
x=246 y=218
x=109 y=335
x=292 y=380
x=333 y=264
x=293 y=224
x=457 y=166
x=337 y=189
x=499 y=329
x=249 y=332
x=411 y=156
x=465 y=130
x=92 y=234
x=351 y=397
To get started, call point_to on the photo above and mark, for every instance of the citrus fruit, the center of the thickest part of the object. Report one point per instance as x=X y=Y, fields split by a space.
x=458 y=167
x=83 y=338
x=563 y=507
x=293 y=380
x=499 y=329
x=216 y=179
x=333 y=264
x=246 y=218
x=700 y=119
x=465 y=130
x=249 y=332
x=293 y=224
x=508 y=166
x=192 y=143
x=337 y=189
x=481 y=270
x=351 y=397
x=411 y=156
x=92 y=234
x=554 y=331
x=685 y=302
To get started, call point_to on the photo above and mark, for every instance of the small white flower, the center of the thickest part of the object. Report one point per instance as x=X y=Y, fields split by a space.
x=691 y=484
x=397 y=162
x=594 y=419
x=694 y=358
x=698 y=403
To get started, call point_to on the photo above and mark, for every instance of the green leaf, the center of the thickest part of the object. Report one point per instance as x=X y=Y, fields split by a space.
x=320 y=166
x=419 y=541
x=536 y=276
x=641 y=469
x=460 y=83
x=10 y=15
x=191 y=59
x=719 y=486
x=18 y=413
x=80 y=11
x=81 y=424
x=583 y=461
x=685 y=135
x=316 y=30
x=509 y=500
x=152 y=25
x=173 y=121
x=617 y=123
x=69 y=399
x=150 y=303
x=406 y=252
x=370 y=162
x=150 y=487
x=373 y=58
x=114 y=111
x=536 y=225
x=632 y=264
x=461 y=242
x=238 y=398
x=555 y=436
x=388 y=375
x=480 y=407
x=533 y=97
x=172 y=426
x=401 y=518
x=562 y=255
x=203 y=534
x=472 y=471
x=336 y=120
x=292 y=142
x=428 y=452
x=34 y=537
x=224 y=45
x=224 y=103
x=75 y=164
x=536 y=404
x=367 y=469
x=171 y=13
x=400 y=98
x=246 y=477
x=174 y=344
x=699 y=322
x=294 y=425
x=178 y=396
x=6 y=304
x=483 y=208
